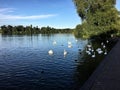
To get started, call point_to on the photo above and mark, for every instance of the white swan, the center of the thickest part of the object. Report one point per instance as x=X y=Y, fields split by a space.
x=92 y=49
x=105 y=53
x=99 y=51
x=69 y=42
x=88 y=52
x=50 y=52
x=89 y=46
x=104 y=46
x=93 y=56
x=102 y=43
x=70 y=46
x=107 y=41
x=54 y=42
x=65 y=52
x=89 y=49
x=76 y=40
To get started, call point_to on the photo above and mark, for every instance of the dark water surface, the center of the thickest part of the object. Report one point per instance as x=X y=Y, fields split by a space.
x=26 y=65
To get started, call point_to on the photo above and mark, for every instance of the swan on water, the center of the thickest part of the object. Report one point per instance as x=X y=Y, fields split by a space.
x=93 y=55
x=54 y=42
x=105 y=53
x=65 y=52
x=70 y=46
x=88 y=52
x=76 y=40
x=99 y=51
x=104 y=46
x=107 y=41
x=89 y=45
x=50 y=52
x=89 y=49
x=69 y=42
x=92 y=49
x=102 y=43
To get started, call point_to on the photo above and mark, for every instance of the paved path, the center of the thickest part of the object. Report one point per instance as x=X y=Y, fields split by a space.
x=107 y=75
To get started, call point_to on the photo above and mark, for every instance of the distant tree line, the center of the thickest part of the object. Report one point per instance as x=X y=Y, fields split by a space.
x=20 y=29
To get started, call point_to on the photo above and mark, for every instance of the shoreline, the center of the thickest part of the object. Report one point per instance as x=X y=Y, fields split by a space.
x=94 y=81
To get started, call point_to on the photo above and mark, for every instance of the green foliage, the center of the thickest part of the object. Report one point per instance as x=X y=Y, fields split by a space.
x=98 y=16
x=31 y=30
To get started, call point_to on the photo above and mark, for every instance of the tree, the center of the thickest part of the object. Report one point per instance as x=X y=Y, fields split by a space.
x=20 y=29
x=4 y=29
x=10 y=29
x=98 y=16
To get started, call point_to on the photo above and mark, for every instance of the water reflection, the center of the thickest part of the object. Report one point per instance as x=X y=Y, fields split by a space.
x=87 y=64
x=26 y=64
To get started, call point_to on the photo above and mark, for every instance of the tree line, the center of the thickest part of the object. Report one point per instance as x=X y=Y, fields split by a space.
x=20 y=29
x=99 y=17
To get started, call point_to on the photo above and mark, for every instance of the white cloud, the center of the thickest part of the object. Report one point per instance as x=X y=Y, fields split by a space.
x=6 y=10
x=17 y=17
x=5 y=15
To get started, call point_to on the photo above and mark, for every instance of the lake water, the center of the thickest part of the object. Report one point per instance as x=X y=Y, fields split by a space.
x=26 y=65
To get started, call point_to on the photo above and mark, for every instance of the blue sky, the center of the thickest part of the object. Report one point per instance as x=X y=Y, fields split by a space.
x=54 y=13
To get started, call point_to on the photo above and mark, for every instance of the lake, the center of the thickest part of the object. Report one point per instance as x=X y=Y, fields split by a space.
x=26 y=65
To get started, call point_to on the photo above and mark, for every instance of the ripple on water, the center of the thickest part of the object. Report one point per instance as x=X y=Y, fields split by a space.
x=26 y=65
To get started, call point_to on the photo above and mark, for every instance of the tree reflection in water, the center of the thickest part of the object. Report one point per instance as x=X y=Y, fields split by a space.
x=87 y=64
